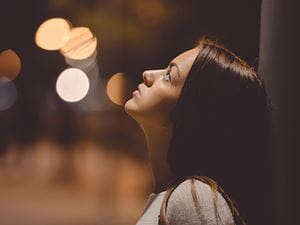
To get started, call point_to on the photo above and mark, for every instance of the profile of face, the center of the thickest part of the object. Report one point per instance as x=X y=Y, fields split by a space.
x=155 y=98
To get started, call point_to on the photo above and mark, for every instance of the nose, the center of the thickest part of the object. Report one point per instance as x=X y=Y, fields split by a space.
x=150 y=76
x=147 y=78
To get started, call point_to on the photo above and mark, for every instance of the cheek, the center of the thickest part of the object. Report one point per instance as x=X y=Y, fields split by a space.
x=160 y=100
x=157 y=101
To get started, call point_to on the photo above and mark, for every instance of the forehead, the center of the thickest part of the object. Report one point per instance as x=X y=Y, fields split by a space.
x=185 y=60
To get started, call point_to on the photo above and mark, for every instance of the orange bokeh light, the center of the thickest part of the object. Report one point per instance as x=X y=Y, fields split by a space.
x=10 y=64
x=53 y=34
x=119 y=88
x=81 y=44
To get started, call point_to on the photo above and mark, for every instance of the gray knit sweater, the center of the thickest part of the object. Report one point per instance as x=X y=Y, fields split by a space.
x=182 y=209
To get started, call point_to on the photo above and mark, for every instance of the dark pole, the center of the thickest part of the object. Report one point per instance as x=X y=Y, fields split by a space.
x=279 y=65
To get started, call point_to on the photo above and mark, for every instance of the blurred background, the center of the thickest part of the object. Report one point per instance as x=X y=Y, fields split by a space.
x=85 y=162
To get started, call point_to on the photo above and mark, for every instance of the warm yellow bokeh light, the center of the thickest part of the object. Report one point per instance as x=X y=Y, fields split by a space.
x=53 y=34
x=119 y=89
x=81 y=44
x=10 y=64
x=72 y=85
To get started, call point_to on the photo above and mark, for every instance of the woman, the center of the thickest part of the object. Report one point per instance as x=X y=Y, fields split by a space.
x=206 y=119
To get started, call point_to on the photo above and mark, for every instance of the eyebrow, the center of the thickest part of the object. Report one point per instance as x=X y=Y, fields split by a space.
x=177 y=67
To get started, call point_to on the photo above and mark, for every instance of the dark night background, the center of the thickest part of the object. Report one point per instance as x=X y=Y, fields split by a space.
x=133 y=36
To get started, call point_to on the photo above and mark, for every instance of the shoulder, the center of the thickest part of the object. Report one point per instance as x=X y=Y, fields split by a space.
x=209 y=207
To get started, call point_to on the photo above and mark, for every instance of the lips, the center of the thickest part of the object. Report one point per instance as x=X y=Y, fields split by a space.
x=139 y=88
x=138 y=91
x=135 y=92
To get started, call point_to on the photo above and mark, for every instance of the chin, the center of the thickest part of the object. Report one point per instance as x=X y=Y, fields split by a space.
x=130 y=106
x=133 y=109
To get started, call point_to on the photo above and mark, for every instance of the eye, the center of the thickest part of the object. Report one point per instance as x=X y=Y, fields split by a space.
x=167 y=76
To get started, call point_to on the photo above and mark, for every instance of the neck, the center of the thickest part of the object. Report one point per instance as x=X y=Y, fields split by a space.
x=158 y=138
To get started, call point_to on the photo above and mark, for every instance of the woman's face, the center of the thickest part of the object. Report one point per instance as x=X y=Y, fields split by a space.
x=157 y=95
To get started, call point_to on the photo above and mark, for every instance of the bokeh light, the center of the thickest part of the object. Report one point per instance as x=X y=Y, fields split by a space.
x=53 y=34
x=119 y=88
x=10 y=64
x=81 y=44
x=87 y=64
x=8 y=93
x=72 y=85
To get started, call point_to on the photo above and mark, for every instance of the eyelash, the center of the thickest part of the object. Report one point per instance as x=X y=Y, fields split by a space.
x=168 y=74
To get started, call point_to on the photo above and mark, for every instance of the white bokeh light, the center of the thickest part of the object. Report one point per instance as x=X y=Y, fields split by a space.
x=72 y=85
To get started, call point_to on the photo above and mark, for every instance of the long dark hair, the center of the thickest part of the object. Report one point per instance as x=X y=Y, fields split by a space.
x=222 y=133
